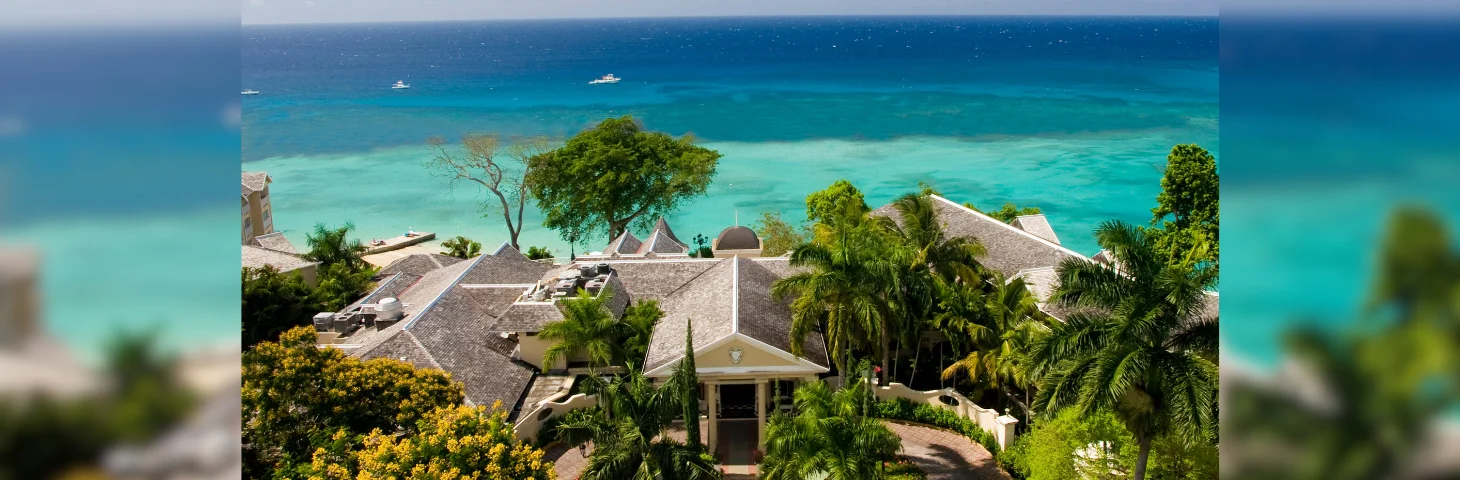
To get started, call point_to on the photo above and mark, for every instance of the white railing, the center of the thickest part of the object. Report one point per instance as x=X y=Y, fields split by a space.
x=1000 y=426
x=530 y=422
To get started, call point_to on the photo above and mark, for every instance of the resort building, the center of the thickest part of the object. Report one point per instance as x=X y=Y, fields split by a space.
x=274 y=250
x=258 y=217
x=479 y=319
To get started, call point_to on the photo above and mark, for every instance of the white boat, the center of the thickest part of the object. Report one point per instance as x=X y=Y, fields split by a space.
x=606 y=79
x=250 y=92
x=400 y=84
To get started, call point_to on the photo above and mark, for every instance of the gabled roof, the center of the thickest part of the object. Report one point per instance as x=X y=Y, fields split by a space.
x=506 y=250
x=255 y=181
x=1037 y=225
x=274 y=241
x=1008 y=249
x=257 y=257
x=748 y=313
x=419 y=264
x=662 y=226
x=661 y=242
x=625 y=243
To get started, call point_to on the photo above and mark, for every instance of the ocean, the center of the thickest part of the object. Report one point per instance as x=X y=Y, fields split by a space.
x=1071 y=115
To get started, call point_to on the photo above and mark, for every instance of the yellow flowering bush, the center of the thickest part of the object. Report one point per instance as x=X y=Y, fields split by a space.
x=453 y=443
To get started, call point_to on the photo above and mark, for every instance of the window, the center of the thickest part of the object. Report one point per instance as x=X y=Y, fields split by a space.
x=247 y=223
x=266 y=213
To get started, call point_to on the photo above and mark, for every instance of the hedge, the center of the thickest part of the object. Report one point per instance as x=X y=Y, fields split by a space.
x=906 y=410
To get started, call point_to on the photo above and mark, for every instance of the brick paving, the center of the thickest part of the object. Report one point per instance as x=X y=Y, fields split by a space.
x=946 y=455
x=567 y=462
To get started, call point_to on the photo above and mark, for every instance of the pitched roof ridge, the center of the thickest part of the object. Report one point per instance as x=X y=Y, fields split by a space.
x=442 y=293
x=1010 y=227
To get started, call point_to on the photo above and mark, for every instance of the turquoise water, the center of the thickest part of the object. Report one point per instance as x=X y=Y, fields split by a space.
x=1072 y=115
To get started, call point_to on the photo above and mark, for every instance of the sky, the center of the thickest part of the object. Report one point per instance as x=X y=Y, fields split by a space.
x=347 y=11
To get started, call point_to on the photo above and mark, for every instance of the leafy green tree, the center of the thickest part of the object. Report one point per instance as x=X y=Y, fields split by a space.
x=833 y=436
x=587 y=326
x=539 y=253
x=331 y=246
x=628 y=433
x=1008 y=212
x=298 y=398
x=462 y=247
x=777 y=236
x=615 y=174
x=688 y=382
x=838 y=202
x=702 y=252
x=453 y=442
x=339 y=285
x=274 y=302
x=1187 y=210
x=1073 y=445
x=637 y=328
x=1142 y=348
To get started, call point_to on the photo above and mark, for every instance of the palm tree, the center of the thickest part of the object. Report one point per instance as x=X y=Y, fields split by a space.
x=831 y=437
x=637 y=328
x=998 y=327
x=925 y=256
x=843 y=286
x=330 y=246
x=628 y=433
x=587 y=326
x=1139 y=346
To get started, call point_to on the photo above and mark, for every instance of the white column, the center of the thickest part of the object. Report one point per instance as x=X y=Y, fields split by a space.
x=712 y=392
x=760 y=399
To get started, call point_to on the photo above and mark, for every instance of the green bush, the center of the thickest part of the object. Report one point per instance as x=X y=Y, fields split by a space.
x=539 y=253
x=906 y=410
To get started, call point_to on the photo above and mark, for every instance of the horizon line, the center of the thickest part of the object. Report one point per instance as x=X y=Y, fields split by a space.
x=702 y=17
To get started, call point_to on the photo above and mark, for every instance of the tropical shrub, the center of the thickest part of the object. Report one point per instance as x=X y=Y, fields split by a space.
x=539 y=253
x=833 y=435
x=452 y=441
x=461 y=247
x=1052 y=450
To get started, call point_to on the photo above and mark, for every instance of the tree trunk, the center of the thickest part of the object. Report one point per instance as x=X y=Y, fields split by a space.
x=917 y=354
x=886 y=351
x=1140 y=473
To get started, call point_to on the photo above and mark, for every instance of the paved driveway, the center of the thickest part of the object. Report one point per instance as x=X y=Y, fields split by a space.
x=946 y=455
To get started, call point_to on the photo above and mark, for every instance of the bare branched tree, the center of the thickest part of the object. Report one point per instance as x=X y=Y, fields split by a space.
x=479 y=163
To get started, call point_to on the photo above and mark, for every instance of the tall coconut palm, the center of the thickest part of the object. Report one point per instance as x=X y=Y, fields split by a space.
x=587 y=326
x=330 y=246
x=997 y=327
x=831 y=437
x=844 y=285
x=925 y=256
x=628 y=433
x=1140 y=347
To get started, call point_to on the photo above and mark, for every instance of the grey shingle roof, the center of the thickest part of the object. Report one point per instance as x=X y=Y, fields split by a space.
x=506 y=250
x=625 y=243
x=660 y=242
x=255 y=181
x=510 y=268
x=1008 y=249
x=419 y=264
x=459 y=333
x=529 y=317
x=709 y=303
x=762 y=318
x=706 y=303
x=256 y=257
x=656 y=279
x=1037 y=225
x=663 y=226
x=274 y=241
x=403 y=346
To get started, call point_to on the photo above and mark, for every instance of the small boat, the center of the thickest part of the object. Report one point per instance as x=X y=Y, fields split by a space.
x=400 y=84
x=250 y=92
x=606 y=79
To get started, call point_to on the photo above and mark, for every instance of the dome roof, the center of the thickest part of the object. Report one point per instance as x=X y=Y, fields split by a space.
x=737 y=238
